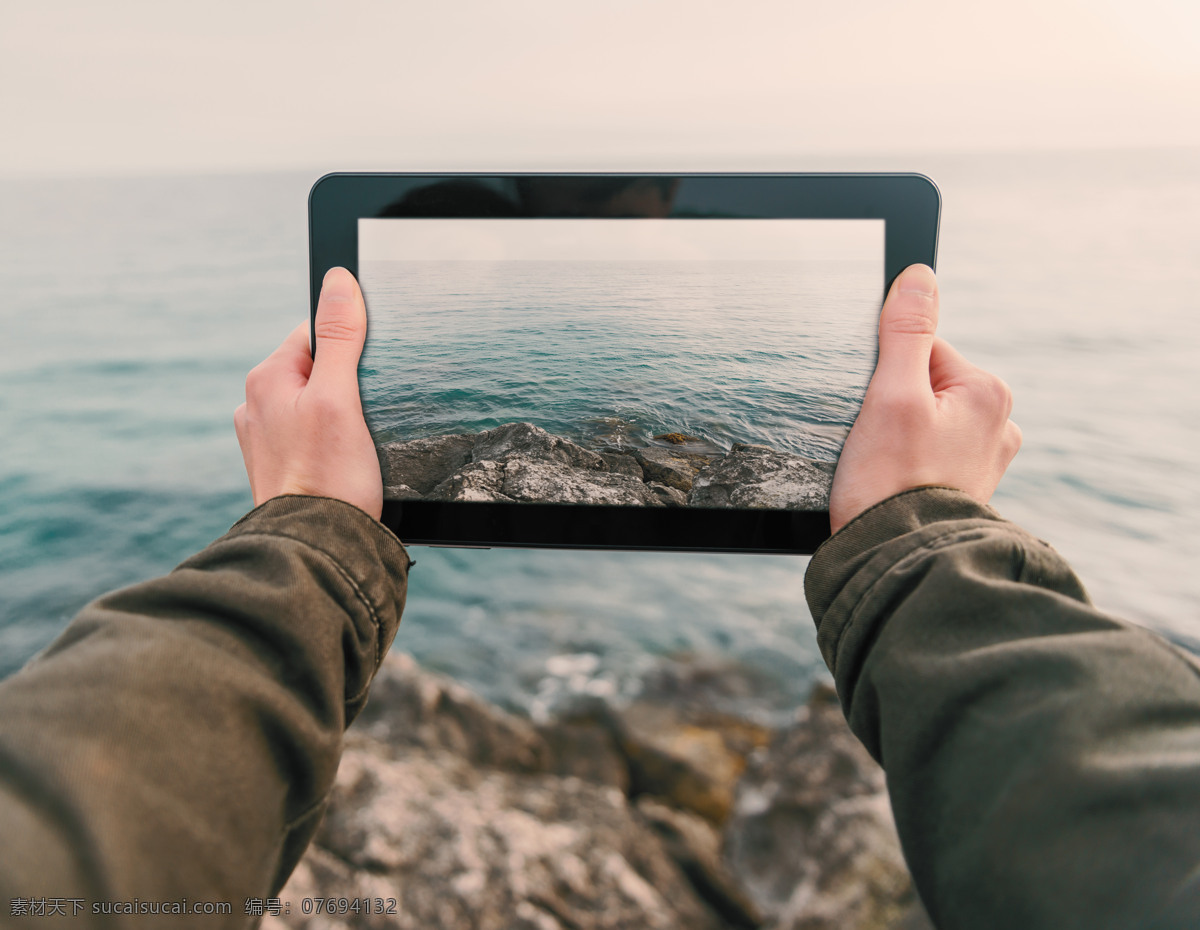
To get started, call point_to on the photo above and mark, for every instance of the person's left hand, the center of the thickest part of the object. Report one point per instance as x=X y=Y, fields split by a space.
x=301 y=428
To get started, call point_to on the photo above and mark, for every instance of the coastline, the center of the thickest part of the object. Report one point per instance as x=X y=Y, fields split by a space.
x=522 y=463
x=678 y=808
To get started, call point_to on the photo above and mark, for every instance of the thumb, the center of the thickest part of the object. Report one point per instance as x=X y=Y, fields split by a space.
x=341 y=328
x=907 y=324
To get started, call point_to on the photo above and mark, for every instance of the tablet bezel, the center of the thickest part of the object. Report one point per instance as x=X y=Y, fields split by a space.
x=908 y=203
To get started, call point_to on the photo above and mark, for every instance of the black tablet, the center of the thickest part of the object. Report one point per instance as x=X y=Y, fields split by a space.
x=617 y=361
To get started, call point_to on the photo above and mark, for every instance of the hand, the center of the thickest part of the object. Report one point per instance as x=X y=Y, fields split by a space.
x=301 y=428
x=930 y=417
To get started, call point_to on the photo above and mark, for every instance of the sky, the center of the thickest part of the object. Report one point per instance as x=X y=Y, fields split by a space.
x=619 y=240
x=141 y=86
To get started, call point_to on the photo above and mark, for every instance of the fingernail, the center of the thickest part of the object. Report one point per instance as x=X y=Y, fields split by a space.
x=917 y=279
x=338 y=284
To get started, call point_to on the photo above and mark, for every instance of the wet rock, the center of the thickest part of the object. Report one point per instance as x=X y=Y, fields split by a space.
x=811 y=838
x=419 y=465
x=671 y=467
x=757 y=476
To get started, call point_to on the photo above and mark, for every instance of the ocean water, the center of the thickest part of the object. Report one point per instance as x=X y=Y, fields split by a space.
x=134 y=308
x=616 y=352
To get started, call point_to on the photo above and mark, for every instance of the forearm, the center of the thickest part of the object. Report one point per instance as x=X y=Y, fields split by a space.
x=1042 y=758
x=179 y=738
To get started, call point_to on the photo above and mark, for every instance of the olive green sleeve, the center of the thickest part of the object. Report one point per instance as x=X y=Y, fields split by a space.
x=1043 y=758
x=180 y=737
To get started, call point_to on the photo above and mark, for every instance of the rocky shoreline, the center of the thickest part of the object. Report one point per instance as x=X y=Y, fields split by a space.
x=668 y=812
x=520 y=462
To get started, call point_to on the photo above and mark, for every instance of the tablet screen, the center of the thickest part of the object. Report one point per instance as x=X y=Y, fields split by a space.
x=635 y=362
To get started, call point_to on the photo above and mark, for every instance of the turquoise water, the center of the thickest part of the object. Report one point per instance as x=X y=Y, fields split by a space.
x=133 y=310
x=768 y=352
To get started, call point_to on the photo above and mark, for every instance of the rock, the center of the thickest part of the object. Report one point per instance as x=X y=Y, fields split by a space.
x=411 y=707
x=469 y=816
x=676 y=744
x=689 y=762
x=621 y=463
x=756 y=476
x=584 y=742
x=671 y=467
x=419 y=465
x=459 y=846
x=526 y=441
x=534 y=481
x=522 y=462
x=695 y=845
x=668 y=497
x=811 y=838
x=478 y=481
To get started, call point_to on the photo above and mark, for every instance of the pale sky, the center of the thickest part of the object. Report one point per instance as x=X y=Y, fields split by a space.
x=619 y=240
x=136 y=86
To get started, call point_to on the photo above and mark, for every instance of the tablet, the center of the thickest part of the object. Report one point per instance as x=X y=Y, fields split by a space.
x=617 y=361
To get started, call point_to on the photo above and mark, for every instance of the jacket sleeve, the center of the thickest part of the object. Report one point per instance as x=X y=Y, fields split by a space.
x=1043 y=759
x=179 y=738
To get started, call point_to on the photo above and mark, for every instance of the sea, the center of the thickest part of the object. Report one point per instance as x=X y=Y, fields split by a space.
x=134 y=307
x=612 y=353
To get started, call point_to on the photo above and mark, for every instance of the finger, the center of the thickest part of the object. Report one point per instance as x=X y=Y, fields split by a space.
x=239 y=425
x=294 y=351
x=1013 y=439
x=341 y=328
x=907 y=324
x=947 y=367
x=287 y=368
x=241 y=428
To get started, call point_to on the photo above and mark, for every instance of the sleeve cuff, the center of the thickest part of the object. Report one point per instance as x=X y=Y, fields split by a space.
x=366 y=550
x=848 y=563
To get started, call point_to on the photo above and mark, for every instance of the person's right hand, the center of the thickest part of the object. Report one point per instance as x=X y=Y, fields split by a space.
x=929 y=417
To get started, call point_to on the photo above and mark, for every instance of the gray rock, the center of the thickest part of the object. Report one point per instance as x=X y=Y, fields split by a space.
x=671 y=467
x=536 y=481
x=622 y=463
x=755 y=476
x=412 y=707
x=470 y=816
x=811 y=838
x=526 y=441
x=696 y=846
x=401 y=492
x=419 y=465
x=668 y=497
x=460 y=846
x=584 y=742
x=477 y=481
x=522 y=462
